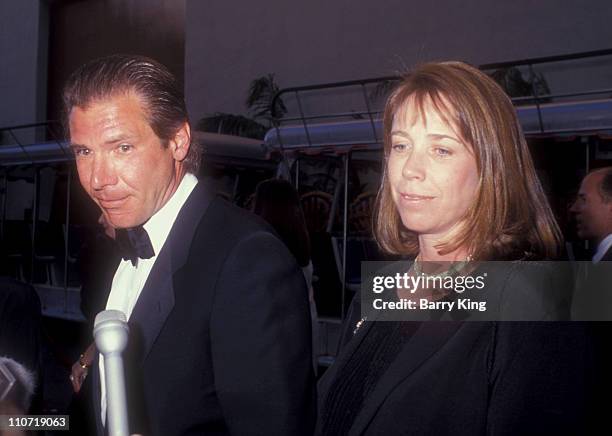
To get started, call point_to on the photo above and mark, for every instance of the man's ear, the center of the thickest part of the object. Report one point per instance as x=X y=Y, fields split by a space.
x=179 y=145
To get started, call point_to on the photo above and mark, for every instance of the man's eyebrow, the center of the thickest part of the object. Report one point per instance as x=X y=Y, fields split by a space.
x=118 y=138
x=111 y=140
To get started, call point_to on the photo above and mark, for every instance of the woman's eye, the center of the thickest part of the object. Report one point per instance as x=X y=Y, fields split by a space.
x=441 y=151
x=399 y=147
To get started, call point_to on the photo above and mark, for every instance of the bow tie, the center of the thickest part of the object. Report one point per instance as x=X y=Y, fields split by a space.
x=134 y=243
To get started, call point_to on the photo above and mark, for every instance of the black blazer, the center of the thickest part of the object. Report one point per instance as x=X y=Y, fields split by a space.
x=475 y=378
x=220 y=335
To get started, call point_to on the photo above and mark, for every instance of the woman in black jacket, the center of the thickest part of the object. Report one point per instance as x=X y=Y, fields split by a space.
x=459 y=187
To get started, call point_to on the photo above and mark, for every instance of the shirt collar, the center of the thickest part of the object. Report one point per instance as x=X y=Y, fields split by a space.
x=603 y=248
x=159 y=225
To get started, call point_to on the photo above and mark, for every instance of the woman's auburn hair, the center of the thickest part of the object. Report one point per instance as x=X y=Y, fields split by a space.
x=510 y=217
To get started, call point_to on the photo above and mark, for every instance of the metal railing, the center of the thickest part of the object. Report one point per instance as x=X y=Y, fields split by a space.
x=44 y=147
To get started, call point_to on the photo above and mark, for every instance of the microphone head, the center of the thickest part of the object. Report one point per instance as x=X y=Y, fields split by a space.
x=111 y=331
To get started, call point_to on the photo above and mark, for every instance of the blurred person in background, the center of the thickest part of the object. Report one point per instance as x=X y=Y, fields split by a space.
x=278 y=202
x=593 y=212
x=21 y=334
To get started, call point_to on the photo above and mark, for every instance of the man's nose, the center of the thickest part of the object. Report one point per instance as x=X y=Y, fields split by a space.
x=414 y=165
x=103 y=173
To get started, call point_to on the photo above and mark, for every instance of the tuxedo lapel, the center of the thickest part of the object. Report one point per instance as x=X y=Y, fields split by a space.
x=156 y=300
x=155 y=303
x=428 y=339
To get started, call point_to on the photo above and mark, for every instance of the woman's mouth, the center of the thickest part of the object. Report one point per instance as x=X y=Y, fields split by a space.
x=415 y=198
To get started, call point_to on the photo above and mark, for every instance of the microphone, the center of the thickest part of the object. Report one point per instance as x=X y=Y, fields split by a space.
x=111 y=336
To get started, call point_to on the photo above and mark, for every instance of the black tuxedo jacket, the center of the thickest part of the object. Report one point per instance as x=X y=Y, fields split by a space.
x=220 y=336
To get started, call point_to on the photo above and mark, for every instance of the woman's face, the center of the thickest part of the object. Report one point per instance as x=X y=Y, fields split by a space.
x=432 y=172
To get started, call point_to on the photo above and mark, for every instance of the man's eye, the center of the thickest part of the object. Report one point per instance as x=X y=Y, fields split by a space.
x=124 y=148
x=81 y=151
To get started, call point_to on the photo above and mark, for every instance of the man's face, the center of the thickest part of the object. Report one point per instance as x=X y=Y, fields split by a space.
x=121 y=162
x=593 y=214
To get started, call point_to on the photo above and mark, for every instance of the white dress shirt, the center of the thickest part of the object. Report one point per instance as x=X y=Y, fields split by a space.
x=602 y=248
x=129 y=279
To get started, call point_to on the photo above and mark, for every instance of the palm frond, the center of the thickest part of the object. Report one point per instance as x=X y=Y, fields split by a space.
x=259 y=98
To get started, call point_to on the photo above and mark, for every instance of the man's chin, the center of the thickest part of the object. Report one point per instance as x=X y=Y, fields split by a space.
x=121 y=221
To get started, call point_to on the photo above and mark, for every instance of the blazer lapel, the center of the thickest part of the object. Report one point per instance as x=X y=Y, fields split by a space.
x=156 y=300
x=360 y=329
x=155 y=303
x=429 y=338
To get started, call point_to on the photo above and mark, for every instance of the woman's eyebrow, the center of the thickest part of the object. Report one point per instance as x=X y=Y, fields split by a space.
x=441 y=136
x=400 y=133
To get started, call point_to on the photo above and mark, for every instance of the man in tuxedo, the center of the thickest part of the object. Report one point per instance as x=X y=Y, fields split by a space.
x=217 y=306
x=593 y=211
x=592 y=299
